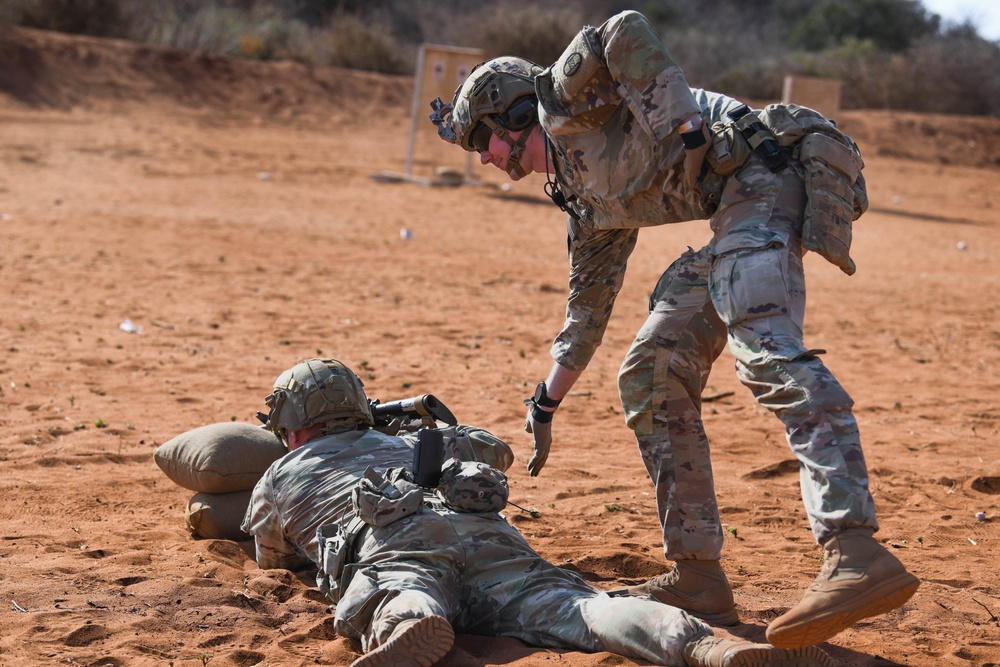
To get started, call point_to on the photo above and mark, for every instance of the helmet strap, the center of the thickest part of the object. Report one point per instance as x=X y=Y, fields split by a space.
x=516 y=147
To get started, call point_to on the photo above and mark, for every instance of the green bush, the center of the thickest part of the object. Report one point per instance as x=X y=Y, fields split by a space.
x=893 y=25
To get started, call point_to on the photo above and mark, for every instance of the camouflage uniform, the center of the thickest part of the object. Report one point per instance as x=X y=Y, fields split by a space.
x=611 y=106
x=474 y=569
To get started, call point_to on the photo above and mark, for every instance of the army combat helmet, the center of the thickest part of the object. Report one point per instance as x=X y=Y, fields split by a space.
x=497 y=98
x=316 y=391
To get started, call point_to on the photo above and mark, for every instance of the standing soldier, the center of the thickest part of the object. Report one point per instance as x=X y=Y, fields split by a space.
x=625 y=143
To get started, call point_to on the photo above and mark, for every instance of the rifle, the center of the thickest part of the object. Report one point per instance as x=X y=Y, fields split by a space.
x=425 y=407
x=429 y=450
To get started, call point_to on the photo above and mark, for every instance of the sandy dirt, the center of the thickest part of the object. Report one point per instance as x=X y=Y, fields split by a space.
x=228 y=210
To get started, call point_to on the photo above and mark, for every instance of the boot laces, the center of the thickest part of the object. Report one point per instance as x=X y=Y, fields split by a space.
x=665 y=580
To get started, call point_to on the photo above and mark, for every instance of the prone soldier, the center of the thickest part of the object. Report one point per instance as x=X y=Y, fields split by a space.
x=408 y=566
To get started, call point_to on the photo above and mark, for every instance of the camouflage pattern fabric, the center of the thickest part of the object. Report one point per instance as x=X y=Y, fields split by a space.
x=477 y=571
x=754 y=295
x=613 y=130
x=381 y=505
x=474 y=569
x=611 y=106
x=473 y=487
x=308 y=503
x=660 y=384
x=469 y=443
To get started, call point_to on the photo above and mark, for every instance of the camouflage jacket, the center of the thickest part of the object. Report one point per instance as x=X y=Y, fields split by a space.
x=311 y=486
x=611 y=106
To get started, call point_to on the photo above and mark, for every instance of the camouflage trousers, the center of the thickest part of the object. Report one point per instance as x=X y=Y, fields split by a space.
x=478 y=572
x=749 y=290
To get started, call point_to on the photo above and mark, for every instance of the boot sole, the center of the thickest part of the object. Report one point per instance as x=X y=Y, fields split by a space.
x=766 y=656
x=813 y=630
x=421 y=645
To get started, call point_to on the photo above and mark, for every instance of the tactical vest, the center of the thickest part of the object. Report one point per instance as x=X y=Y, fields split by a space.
x=836 y=194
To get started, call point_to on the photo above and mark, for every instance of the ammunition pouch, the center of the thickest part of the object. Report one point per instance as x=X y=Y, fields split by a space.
x=381 y=506
x=760 y=138
x=467 y=486
x=337 y=550
x=835 y=191
x=729 y=151
x=831 y=164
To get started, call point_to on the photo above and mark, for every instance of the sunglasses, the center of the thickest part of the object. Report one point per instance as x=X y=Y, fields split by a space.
x=518 y=117
x=481 y=138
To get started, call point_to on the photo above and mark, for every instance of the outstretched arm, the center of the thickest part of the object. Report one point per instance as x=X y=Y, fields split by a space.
x=543 y=404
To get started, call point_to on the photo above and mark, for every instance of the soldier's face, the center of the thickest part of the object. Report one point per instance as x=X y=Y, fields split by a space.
x=498 y=154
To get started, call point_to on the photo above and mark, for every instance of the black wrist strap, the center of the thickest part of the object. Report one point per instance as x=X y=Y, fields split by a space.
x=541 y=416
x=541 y=400
x=542 y=397
x=693 y=139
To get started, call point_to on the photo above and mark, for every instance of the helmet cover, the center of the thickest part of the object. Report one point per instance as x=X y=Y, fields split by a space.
x=316 y=391
x=503 y=88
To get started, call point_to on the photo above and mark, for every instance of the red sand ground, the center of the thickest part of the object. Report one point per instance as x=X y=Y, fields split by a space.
x=130 y=188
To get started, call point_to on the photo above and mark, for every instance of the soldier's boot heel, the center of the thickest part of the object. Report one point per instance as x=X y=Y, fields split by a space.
x=859 y=579
x=418 y=642
x=699 y=587
x=715 y=652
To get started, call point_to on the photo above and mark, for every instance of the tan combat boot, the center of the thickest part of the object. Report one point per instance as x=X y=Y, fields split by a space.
x=418 y=642
x=699 y=587
x=714 y=652
x=860 y=578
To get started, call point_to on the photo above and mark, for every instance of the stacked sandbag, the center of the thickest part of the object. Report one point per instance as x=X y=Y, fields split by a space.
x=221 y=463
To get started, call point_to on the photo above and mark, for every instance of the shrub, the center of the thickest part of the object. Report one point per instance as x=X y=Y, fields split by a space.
x=893 y=25
x=536 y=33
x=101 y=18
x=888 y=53
x=350 y=41
x=258 y=32
x=951 y=73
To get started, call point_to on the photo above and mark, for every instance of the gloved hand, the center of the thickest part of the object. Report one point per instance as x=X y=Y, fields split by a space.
x=541 y=432
x=694 y=158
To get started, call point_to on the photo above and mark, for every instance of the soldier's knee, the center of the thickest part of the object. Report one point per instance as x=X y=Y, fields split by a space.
x=635 y=393
x=790 y=379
